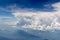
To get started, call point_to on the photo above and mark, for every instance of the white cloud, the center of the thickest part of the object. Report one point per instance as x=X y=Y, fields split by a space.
x=39 y=20
x=44 y=21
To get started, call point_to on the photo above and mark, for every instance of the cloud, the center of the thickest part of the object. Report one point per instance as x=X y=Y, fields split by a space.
x=39 y=23
x=38 y=20
x=7 y=20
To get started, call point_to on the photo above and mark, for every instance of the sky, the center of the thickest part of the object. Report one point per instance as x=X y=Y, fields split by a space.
x=29 y=19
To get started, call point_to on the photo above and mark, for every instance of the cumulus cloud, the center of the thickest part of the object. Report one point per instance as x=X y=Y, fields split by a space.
x=42 y=22
x=39 y=20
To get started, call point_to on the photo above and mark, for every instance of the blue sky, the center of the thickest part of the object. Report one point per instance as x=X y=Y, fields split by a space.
x=37 y=5
x=29 y=19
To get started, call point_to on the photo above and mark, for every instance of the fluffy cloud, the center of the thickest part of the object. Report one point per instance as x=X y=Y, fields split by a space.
x=35 y=22
x=39 y=20
x=43 y=24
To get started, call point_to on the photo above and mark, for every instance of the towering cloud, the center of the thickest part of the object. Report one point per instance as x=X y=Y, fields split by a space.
x=29 y=19
x=38 y=20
